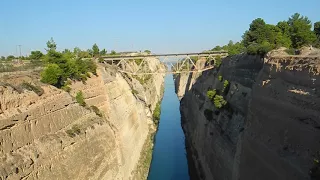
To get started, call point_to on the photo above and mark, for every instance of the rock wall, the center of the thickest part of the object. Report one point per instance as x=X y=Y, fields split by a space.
x=269 y=128
x=52 y=137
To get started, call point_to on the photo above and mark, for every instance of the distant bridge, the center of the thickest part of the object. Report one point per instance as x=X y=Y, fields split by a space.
x=178 y=63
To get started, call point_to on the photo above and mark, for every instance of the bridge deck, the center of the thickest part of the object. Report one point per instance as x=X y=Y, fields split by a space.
x=204 y=54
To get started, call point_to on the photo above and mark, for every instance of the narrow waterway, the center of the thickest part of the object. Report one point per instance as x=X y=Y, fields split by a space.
x=169 y=159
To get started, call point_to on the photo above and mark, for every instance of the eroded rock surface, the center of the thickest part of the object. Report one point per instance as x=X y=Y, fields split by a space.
x=269 y=128
x=52 y=137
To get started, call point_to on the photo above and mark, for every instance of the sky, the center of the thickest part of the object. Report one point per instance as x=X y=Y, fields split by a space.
x=165 y=26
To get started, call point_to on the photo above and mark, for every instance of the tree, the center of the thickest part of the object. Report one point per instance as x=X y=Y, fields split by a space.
x=10 y=57
x=316 y=28
x=217 y=48
x=51 y=45
x=284 y=27
x=147 y=51
x=95 y=50
x=90 y=52
x=3 y=58
x=300 y=30
x=76 y=51
x=51 y=74
x=103 y=52
x=35 y=55
x=113 y=52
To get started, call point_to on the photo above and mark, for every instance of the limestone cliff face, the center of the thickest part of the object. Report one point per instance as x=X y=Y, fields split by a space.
x=52 y=137
x=269 y=128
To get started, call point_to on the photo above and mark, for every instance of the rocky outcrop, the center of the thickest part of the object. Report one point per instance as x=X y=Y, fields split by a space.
x=52 y=137
x=269 y=128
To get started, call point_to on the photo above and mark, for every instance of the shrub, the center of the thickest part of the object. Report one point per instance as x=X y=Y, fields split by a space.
x=80 y=99
x=37 y=89
x=217 y=61
x=66 y=88
x=291 y=51
x=52 y=74
x=219 y=102
x=225 y=85
x=75 y=130
x=97 y=111
x=220 y=78
x=211 y=94
x=156 y=114
x=100 y=60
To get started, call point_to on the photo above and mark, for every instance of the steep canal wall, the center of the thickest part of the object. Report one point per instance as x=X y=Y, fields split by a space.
x=50 y=135
x=268 y=126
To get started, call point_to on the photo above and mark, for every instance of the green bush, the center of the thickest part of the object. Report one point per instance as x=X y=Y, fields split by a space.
x=156 y=114
x=225 y=85
x=97 y=111
x=290 y=51
x=220 y=78
x=52 y=74
x=80 y=99
x=66 y=88
x=75 y=130
x=218 y=61
x=37 y=89
x=219 y=102
x=100 y=60
x=63 y=66
x=211 y=94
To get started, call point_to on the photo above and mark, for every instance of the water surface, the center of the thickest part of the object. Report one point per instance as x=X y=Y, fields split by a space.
x=169 y=159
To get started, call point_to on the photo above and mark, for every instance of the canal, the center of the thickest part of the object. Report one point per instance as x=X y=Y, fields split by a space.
x=169 y=159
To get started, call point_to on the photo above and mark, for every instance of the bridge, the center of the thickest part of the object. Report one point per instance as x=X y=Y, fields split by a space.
x=136 y=64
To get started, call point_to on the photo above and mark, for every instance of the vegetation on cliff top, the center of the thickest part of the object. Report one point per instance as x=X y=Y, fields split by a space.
x=64 y=65
x=262 y=37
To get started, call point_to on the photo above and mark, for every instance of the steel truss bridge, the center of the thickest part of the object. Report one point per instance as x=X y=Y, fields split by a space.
x=176 y=63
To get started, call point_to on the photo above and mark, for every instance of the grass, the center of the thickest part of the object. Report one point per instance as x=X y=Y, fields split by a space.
x=142 y=79
x=37 y=89
x=97 y=111
x=135 y=92
x=142 y=169
x=75 y=130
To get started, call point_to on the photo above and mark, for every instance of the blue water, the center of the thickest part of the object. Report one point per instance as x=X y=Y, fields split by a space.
x=169 y=159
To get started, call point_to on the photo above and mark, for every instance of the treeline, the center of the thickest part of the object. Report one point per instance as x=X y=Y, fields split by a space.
x=61 y=67
x=261 y=37
x=76 y=53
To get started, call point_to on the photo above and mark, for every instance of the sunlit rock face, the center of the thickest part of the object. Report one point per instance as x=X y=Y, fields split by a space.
x=52 y=137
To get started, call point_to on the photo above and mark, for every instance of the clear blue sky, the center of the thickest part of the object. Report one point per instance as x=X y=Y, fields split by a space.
x=161 y=26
